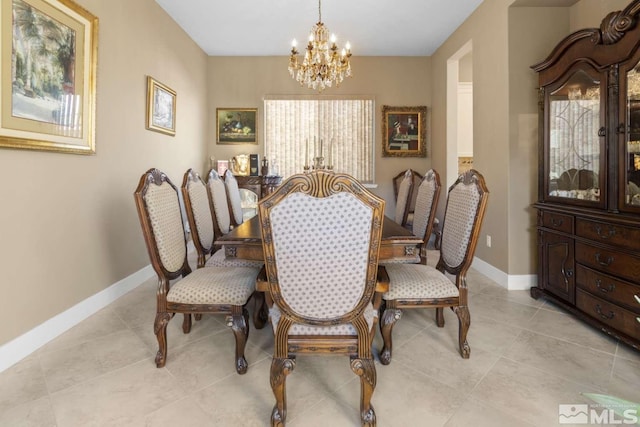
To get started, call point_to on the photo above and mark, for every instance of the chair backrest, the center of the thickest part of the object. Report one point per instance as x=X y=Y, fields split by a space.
x=404 y=198
x=466 y=205
x=220 y=208
x=417 y=179
x=321 y=237
x=428 y=193
x=159 y=212
x=198 y=207
x=235 y=201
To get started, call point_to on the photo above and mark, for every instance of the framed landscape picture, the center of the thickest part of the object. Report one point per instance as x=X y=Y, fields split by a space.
x=161 y=107
x=236 y=126
x=404 y=131
x=48 y=51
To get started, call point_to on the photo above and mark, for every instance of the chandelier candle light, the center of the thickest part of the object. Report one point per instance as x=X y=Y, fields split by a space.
x=322 y=65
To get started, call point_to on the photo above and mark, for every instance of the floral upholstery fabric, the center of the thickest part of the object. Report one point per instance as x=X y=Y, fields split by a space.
x=201 y=213
x=234 y=196
x=462 y=206
x=321 y=247
x=415 y=281
x=424 y=201
x=370 y=315
x=163 y=207
x=220 y=204
x=403 y=196
x=232 y=286
x=218 y=259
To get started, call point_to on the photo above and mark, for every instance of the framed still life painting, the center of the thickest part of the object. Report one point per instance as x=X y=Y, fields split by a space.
x=48 y=50
x=404 y=131
x=236 y=126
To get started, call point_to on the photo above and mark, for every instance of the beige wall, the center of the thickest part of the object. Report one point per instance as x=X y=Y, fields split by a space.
x=589 y=13
x=396 y=81
x=550 y=24
x=68 y=223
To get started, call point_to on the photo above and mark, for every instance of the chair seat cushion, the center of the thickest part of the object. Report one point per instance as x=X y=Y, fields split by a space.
x=219 y=259
x=370 y=315
x=220 y=285
x=416 y=281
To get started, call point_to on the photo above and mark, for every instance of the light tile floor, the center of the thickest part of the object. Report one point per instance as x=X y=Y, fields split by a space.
x=527 y=357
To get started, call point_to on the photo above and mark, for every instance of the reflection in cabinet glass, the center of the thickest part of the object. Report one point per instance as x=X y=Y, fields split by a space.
x=574 y=144
x=632 y=194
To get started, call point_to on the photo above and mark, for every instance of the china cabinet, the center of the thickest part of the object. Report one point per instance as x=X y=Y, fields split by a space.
x=254 y=188
x=589 y=180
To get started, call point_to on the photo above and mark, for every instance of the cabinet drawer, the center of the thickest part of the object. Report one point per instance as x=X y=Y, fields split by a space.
x=557 y=221
x=616 y=317
x=609 y=288
x=612 y=262
x=613 y=234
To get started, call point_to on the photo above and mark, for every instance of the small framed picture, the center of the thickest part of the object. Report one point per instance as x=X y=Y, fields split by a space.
x=222 y=165
x=236 y=126
x=404 y=131
x=161 y=107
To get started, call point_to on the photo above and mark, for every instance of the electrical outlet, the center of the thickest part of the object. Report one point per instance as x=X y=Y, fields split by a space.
x=488 y=240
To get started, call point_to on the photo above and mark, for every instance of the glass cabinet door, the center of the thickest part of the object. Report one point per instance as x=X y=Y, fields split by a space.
x=632 y=136
x=574 y=148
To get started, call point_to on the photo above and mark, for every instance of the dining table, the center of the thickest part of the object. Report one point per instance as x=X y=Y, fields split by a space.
x=245 y=241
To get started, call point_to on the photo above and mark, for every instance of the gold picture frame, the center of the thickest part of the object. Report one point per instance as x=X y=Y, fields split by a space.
x=404 y=131
x=161 y=107
x=50 y=107
x=236 y=125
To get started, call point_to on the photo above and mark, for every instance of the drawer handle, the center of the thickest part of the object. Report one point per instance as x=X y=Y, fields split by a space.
x=606 y=263
x=638 y=319
x=602 y=315
x=605 y=236
x=606 y=290
x=557 y=222
x=637 y=298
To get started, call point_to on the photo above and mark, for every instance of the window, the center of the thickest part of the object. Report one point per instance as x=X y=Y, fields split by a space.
x=296 y=128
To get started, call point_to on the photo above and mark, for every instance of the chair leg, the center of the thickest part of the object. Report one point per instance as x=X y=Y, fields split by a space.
x=240 y=327
x=160 y=329
x=260 y=310
x=387 y=321
x=280 y=368
x=197 y=316
x=366 y=370
x=440 y=317
x=186 y=323
x=464 y=318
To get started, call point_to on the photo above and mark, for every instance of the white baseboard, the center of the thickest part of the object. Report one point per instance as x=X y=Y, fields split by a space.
x=510 y=282
x=22 y=346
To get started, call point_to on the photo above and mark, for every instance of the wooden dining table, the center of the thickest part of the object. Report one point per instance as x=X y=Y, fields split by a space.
x=245 y=241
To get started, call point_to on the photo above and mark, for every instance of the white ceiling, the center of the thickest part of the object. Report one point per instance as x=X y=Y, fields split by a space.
x=267 y=27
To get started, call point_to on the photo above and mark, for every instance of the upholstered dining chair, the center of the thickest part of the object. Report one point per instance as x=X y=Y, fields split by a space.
x=397 y=181
x=403 y=198
x=419 y=286
x=202 y=215
x=427 y=195
x=235 y=200
x=321 y=237
x=223 y=290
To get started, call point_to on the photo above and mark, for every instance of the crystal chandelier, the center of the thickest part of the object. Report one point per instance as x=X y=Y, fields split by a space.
x=322 y=65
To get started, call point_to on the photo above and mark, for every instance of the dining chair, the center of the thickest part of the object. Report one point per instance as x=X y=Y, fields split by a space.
x=222 y=290
x=427 y=195
x=397 y=181
x=403 y=198
x=218 y=208
x=234 y=197
x=321 y=238
x=422 y=286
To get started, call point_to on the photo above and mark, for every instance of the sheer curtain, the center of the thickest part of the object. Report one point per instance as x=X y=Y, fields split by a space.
x=296 y=129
